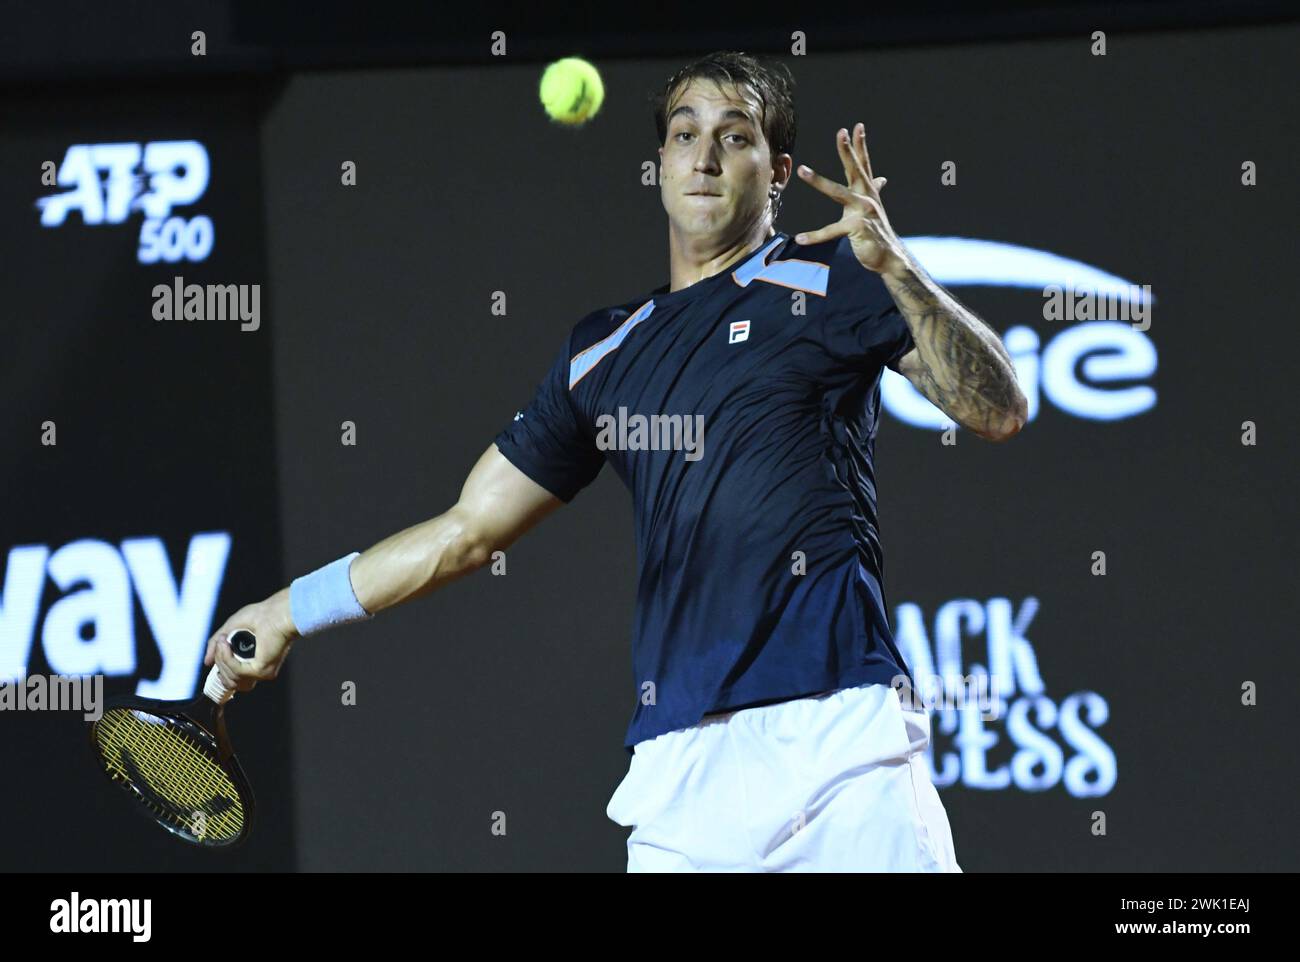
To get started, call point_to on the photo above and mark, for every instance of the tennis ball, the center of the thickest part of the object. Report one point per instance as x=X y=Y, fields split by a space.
x=571 y=91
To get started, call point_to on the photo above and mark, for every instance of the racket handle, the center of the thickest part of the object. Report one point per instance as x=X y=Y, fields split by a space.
x=243 y=643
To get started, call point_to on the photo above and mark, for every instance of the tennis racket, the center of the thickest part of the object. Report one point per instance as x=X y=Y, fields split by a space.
x=175 y=759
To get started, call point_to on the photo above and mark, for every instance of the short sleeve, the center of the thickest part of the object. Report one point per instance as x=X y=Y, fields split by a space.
x=547 y=441
x=863 y=325
x=898 y=336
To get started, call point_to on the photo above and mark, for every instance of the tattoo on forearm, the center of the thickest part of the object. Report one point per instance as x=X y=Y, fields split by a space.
x=964 y=368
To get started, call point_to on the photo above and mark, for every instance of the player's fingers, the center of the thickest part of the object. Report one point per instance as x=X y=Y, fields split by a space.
x=232 y=669
x=854 y=176
x=861 y=132
x=830 y=231
x=232 y=677
x=241 y=670
x=228 y=678
x=210 y=655
x=827 y=186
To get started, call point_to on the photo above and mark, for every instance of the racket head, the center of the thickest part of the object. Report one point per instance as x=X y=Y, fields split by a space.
x=175 y=761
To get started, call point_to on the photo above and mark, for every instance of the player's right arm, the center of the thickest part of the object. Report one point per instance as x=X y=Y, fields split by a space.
x=540 y=460
x=497 y=505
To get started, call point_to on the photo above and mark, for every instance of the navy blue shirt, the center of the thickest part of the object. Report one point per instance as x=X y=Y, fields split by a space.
x=759 y=551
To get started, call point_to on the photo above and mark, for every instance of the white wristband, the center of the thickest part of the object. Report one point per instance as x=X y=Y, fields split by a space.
x=325 y=598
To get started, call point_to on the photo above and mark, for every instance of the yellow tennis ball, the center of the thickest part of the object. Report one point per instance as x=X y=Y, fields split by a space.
x=571 y=90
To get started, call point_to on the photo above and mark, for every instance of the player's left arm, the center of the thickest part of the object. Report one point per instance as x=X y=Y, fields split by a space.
x=958 y=361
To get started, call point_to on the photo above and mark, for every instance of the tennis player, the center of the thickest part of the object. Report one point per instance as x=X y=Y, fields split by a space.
x=766 y=733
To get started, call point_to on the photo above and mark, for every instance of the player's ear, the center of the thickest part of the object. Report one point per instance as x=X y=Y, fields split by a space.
x=782 y=168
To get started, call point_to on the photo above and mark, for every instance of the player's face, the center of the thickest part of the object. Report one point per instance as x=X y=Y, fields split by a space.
x=715 y=165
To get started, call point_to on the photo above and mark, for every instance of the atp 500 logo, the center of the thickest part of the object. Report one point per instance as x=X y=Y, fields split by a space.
x=110 y=182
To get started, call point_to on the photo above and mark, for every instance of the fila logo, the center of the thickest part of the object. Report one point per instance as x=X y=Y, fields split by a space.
x=739 y=332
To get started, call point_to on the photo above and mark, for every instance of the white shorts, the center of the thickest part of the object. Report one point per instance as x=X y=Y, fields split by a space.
x=835 y=782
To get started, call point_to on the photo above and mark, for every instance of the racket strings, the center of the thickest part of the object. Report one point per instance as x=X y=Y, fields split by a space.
x=171 y=772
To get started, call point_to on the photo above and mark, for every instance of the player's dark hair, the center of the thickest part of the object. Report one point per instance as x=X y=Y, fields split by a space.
x=770 y=79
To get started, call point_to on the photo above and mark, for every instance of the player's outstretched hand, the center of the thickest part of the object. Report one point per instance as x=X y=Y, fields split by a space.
x=863 y=220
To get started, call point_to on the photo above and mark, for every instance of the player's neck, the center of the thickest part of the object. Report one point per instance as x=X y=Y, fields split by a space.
x=693 y=259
